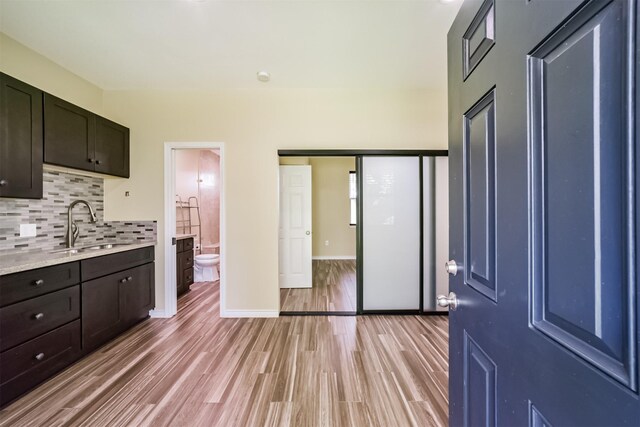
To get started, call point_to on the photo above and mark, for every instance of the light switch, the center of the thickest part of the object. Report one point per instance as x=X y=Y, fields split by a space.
x=326 y=243
x=27 y=230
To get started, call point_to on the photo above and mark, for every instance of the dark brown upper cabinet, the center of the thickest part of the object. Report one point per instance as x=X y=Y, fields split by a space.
x=79 y=139
x=112 y=148
x=69 y=134
x=20 y=139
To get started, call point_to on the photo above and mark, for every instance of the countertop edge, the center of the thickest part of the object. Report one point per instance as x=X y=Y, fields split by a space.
x=185 y=236
x=60 y=258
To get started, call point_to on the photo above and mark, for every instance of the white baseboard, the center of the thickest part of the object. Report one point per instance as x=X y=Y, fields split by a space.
x=249 y=313
x=158 y=314
x=329 y=257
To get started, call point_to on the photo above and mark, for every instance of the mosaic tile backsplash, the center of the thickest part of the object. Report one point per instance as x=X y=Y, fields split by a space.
x=50 y=216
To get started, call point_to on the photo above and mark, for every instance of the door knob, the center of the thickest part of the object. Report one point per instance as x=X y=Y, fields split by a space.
x=450 y=301
x=308 y=233
x=452 y=267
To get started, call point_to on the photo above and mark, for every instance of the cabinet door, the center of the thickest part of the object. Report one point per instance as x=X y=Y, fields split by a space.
x=112 y=148
x=20 y=139
x=138 y=293
x=69 y=134
x=102 y=309
x=179 y=268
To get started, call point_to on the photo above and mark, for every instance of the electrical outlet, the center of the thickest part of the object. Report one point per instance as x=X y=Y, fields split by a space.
x=28 y=230
x=326 y=243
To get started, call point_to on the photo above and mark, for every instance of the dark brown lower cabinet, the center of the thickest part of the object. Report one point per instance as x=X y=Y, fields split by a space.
x=28 y=319
x=184 y=265
x=49 y=318
x=113 y=303
x=25 y=366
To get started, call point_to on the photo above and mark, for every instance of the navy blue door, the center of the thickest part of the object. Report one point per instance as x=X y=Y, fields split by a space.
x=544 y=213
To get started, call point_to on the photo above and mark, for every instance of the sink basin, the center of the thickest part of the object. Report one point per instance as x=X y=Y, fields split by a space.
x=105 y=246
x=87 y=248
x=67 y=250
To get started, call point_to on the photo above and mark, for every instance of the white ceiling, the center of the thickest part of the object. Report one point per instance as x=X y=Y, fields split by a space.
x=189 y=44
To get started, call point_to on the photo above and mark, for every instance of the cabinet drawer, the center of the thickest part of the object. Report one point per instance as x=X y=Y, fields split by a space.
x=104 y=265
x=185 y=260
x=187 y=244
x=28 y=284
x=187 y=277
x=26 y=365
x=25 y=320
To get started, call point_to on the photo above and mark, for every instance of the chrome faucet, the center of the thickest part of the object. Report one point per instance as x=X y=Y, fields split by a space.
x=73 y=231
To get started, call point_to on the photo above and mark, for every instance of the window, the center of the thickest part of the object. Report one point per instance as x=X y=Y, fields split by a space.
x=353 y=197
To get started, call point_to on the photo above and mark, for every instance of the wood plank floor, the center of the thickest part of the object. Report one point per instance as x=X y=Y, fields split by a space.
x=334 y=289
x=197 y=369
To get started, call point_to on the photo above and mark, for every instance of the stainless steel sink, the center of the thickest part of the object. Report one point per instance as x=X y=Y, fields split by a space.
x=87 y=248
x=105 y=246
x=67 y=250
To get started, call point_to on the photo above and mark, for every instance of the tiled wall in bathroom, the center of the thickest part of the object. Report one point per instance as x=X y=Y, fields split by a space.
x=50 y=216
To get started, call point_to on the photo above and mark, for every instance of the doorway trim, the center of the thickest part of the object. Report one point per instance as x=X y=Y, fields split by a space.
x=170 y=291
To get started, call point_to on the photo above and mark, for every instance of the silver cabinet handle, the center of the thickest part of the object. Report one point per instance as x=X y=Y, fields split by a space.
x=3 y=182
x=39 y=316
x=38 y=283
x=39 y=356
x=452 y=267
x=450 y=301
x=123 y=280
x=129 y=279
x=308 y=233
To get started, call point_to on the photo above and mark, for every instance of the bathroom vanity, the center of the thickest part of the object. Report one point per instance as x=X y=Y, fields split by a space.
x=184 y=263
x=57 y=307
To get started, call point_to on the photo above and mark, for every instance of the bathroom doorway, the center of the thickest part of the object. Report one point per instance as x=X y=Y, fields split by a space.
x=194 y=221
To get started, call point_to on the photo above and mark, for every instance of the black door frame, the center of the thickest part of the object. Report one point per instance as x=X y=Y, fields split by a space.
x=359 y=154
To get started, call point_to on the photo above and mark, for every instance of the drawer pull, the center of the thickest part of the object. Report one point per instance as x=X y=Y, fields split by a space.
x=39 y=316
x=129 y=279
x=38 y=283
x=123 y=280
x=39 y=356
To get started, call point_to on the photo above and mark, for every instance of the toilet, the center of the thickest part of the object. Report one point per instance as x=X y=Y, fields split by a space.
x=206 y=267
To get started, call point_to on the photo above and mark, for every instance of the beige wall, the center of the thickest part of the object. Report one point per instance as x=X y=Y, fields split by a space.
x=330 y=212
x=30 y=67
x=294 y=161
x=253 y=125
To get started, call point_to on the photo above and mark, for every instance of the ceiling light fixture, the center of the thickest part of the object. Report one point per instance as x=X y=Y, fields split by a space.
x=264 y=76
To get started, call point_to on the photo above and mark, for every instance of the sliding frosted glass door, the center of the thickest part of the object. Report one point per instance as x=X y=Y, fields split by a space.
x=391 y=233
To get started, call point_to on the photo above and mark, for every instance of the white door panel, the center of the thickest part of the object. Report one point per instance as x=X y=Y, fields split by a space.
x=295 y=227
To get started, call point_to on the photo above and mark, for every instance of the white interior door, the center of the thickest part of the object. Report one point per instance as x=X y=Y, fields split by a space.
x=295 y=227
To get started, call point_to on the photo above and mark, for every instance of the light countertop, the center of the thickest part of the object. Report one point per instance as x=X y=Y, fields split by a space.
x=185 y=236
x=23 y=261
